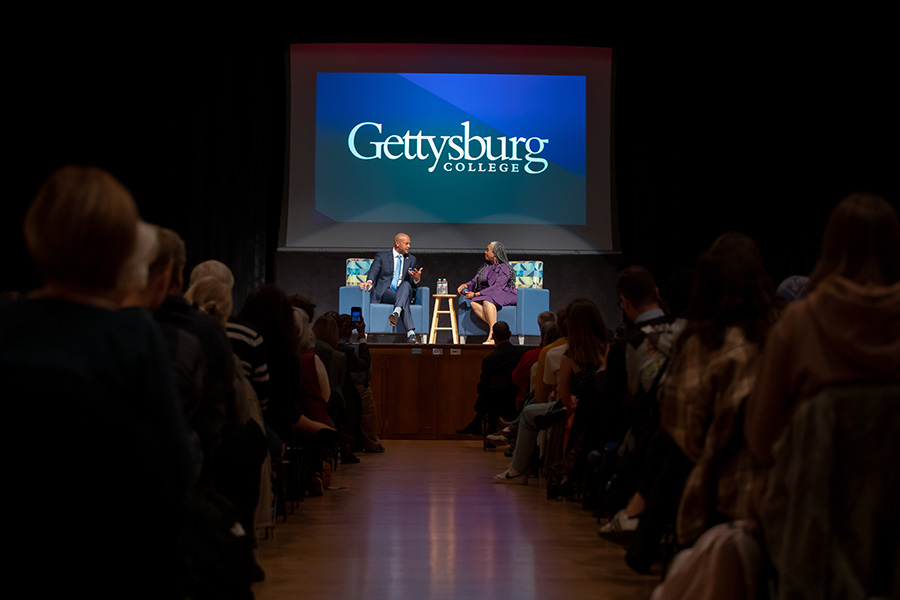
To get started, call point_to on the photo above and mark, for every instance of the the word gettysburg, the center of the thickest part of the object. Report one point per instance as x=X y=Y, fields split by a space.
x=464 y=150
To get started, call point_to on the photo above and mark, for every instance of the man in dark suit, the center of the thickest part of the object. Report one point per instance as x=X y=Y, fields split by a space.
x=496 y=390
x=393 y=279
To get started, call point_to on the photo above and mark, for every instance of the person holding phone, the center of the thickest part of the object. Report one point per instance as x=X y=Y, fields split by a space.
x=393 y=279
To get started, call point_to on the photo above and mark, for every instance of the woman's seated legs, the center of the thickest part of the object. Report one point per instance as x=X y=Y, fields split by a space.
x=487 y=312
x=527 y=436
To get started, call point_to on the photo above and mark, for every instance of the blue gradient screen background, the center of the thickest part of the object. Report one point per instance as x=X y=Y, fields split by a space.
x=457 y=190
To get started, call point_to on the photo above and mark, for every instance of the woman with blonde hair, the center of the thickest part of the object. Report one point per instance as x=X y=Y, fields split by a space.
x=244 y=473
x=212 y=297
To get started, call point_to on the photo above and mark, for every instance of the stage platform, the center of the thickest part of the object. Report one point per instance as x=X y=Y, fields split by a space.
x=423 y=391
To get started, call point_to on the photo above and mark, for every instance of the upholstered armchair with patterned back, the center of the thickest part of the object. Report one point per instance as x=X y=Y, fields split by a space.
x=531 y=301
x=376 y=314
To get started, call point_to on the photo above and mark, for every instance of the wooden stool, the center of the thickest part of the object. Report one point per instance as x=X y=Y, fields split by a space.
x=436 y=316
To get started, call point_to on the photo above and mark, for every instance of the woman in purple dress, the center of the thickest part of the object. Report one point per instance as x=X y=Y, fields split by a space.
x=494 y=285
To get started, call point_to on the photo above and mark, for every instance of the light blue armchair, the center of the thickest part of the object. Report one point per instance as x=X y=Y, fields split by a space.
x=375 y=314
x=522 y=317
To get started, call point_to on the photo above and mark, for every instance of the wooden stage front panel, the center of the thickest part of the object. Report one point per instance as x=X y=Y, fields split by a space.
x=424 y=391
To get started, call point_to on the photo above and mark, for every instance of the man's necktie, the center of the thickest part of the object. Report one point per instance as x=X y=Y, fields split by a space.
x=396 y=280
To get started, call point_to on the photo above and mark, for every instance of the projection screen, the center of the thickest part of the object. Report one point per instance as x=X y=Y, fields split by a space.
x=453 y=144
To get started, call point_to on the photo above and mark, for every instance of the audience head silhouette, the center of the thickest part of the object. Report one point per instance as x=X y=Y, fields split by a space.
x=213 y=268
x=501 y=332
x=861 y=242
x=731 y=288
x=81 y=229
x=587 y=333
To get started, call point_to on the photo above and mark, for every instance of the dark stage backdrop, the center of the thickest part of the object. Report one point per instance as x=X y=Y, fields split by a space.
x=193 y=126
x=760 y=129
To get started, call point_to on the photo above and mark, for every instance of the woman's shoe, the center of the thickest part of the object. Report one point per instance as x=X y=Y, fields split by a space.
x=621 y=522
x=499 y=439
x=619 y=529
x=505 y=477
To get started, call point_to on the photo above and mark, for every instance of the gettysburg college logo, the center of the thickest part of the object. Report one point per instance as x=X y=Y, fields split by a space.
x=453 y=153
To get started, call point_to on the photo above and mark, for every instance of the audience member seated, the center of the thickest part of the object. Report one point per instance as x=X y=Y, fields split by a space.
x=238 y=474
x=246 y=341
x=496 y=391
x=523 y=374
x=543 y=391
x=212 y=298
x=233 y=448
x=356 y=368
x=326 y=330
x=523 y=377
x=94 y=413
x=249 y=347
x=343 y=410
x=494 y=285
x=540 y=391
x=186 y=353
x=834 y=357
x=637 y=365
x=581 y=375
x=699 y=467
x=250 y=350
x=322 y=348
x=524 y=385
x=846 y=328
x=575 y=379
x=295 y=401
x=359 y=364
x=218 y=396
x=315 y=377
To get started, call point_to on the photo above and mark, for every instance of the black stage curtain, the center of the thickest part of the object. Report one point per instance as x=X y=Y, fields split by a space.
x=193 y=124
